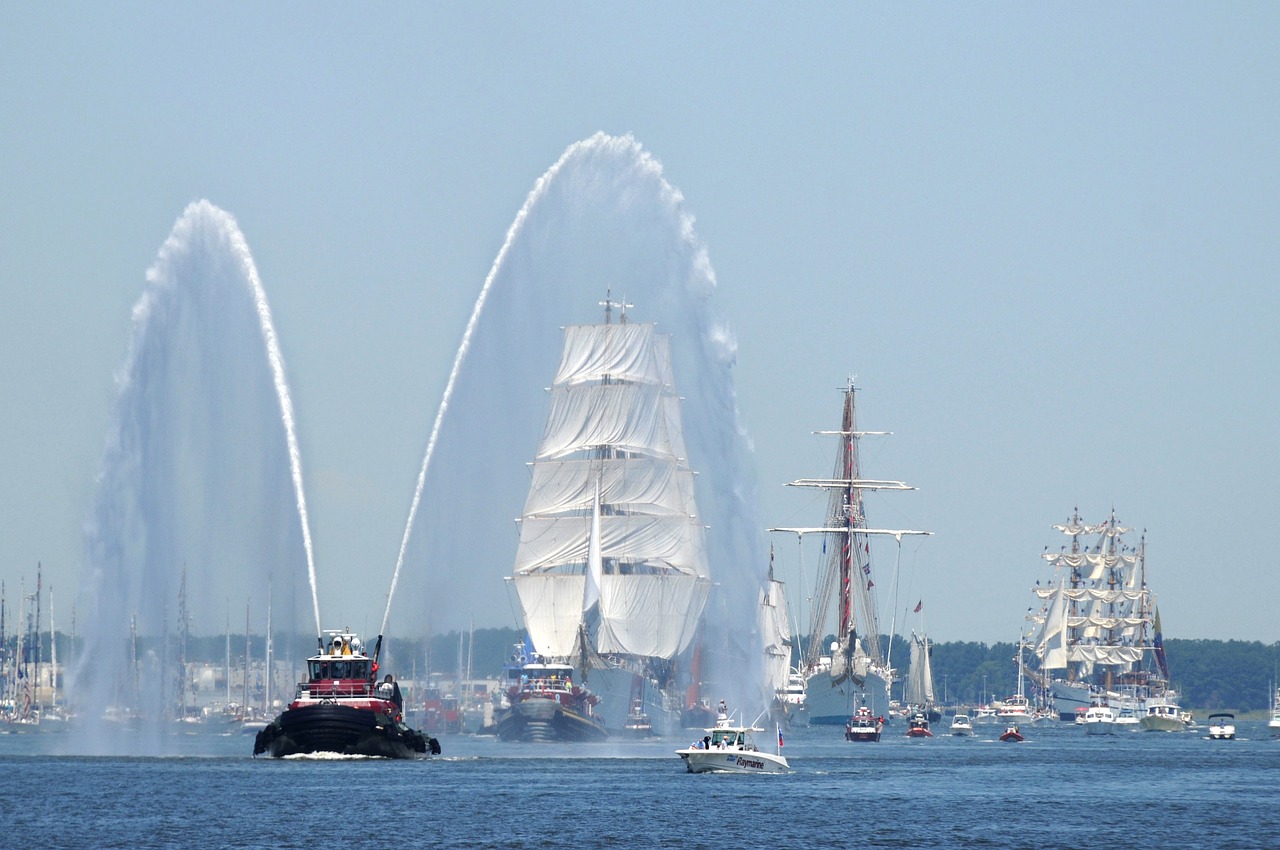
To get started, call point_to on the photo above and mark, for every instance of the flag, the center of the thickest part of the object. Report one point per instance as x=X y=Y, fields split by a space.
x=780 y=744
x=919 y=605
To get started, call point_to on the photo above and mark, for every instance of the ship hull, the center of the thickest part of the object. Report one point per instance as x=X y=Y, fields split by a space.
x=541 y=720
x=614 y=687
x=704 y=761
x=864 y=734
x=1069 y=696
x=830 y=704
x=340 y=729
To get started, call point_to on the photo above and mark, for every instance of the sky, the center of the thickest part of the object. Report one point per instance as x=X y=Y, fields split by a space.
x=1041 y=237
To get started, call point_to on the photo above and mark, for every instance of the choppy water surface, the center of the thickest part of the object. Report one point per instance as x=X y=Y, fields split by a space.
x=1059 y=789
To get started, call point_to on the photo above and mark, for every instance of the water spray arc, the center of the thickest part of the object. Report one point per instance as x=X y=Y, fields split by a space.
x=603 y=216
x=201 y=468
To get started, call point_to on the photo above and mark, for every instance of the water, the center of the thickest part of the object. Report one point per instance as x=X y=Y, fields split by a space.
x=1059 y=789
x=201 y=485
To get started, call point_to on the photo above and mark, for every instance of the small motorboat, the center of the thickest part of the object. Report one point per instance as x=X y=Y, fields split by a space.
x=863 y=726
x=637 y=724
x=730 y=748
x=1222 y=726
x=961 y=725
x=1012 y=734
x=1099 y=719
x=918 y=726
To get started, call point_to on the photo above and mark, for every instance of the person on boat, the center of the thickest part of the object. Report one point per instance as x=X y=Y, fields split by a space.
x=390 y=690
x=396 y=696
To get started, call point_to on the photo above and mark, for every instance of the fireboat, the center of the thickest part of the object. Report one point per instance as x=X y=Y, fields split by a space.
x=343 y=709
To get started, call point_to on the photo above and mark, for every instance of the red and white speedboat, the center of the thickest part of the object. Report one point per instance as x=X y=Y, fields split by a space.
x=863 y=726
x=341 y=708
x=918 y=726
x=1012 y=734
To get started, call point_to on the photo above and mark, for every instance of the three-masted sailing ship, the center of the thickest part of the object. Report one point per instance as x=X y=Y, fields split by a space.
x=1097 y=634
x=611 y=569
x=857 y=672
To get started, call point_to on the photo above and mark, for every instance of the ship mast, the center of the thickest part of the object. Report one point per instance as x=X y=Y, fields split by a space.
x=846 y=521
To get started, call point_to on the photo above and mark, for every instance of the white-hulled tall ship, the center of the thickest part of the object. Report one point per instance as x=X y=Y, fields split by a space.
x=1098 y=632
x=857 y=673
x=611 y=569
x=341 y=708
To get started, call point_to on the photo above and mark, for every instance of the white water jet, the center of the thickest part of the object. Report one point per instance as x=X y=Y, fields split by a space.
x=201 y=473
x=602 y=218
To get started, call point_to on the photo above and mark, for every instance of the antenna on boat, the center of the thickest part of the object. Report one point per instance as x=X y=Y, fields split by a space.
x=608 y=304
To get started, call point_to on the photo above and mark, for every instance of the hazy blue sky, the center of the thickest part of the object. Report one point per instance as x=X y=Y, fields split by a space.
x=1042 y=237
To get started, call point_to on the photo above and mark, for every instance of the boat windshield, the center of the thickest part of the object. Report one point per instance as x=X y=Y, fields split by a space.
x=728 y=737
x=338 y=669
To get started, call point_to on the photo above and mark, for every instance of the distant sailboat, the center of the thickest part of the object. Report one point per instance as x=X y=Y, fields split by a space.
x=1099 y=631
x=918 y=692
x=775 y=632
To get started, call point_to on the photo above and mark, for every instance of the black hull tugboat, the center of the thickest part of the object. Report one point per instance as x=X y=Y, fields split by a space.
x=343 y=709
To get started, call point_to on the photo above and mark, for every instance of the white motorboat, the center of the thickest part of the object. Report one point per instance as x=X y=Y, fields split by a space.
x=1222 y=726
x=1099 y=719
x=985 y=715
x=1163 y=715
x=1127 y=718
x=1273 y=725
x=961 y=725
x=728 y=748
x=1015 y=709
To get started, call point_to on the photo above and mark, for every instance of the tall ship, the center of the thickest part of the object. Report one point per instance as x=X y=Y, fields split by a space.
x=1097 y=633
x=611 y=569
x=856 y=672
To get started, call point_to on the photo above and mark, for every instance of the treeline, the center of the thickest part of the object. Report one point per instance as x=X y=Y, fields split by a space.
x=1209 y=674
